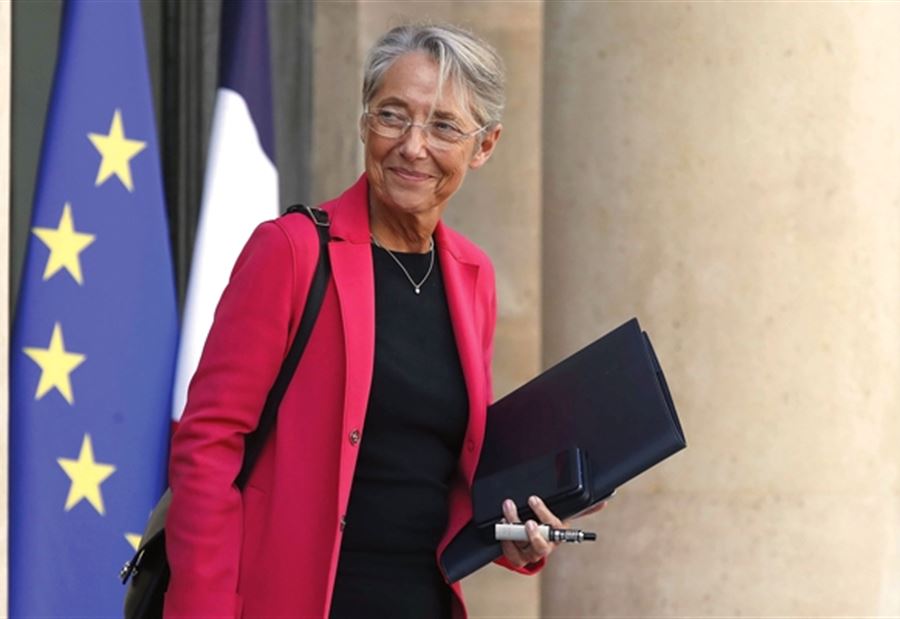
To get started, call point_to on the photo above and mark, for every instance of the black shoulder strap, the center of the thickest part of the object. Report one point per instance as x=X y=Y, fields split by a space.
x=255 y=441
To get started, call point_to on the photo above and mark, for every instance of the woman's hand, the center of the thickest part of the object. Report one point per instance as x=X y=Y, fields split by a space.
x=536 y=548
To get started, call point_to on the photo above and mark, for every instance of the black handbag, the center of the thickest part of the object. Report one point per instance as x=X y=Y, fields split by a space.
x=148 y=570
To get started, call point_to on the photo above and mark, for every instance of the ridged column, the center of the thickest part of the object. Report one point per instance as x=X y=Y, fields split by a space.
x=728 y=172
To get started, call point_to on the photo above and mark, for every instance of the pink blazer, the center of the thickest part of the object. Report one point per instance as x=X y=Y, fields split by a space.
x=272 y=550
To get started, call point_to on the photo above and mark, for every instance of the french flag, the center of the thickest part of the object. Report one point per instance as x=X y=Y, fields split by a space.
x=241 y=184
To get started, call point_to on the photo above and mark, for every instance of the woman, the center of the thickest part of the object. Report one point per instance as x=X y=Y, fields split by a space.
x=366 y=477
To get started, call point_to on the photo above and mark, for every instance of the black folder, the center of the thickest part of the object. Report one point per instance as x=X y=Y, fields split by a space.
x=572 y=435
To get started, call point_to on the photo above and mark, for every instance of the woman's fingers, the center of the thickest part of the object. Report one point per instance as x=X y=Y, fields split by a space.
x=513 y=554
x=522 y=552
x=510 y=512
x=543 y=513
x=539 y=546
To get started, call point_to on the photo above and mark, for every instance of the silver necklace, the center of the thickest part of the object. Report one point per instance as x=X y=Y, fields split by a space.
x=416 y=287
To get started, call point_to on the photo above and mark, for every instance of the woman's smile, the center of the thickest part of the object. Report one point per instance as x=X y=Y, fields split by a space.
x=412 y=176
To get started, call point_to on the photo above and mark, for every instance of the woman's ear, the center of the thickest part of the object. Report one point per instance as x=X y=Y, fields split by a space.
x=362 y=128
x=486 y=146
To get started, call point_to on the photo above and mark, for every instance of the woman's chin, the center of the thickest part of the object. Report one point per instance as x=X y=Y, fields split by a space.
x=410 y=202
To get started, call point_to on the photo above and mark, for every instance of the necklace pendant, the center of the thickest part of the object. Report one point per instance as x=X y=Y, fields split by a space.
x=418 y=290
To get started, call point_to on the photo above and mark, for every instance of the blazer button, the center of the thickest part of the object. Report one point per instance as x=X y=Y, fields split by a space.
x=354 y=437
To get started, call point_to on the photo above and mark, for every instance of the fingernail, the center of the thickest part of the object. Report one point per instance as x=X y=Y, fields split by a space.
x=508 y=504
x=531 y=525
x=532 y=500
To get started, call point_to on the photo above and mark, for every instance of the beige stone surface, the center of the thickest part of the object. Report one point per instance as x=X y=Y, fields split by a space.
x=728 y=173
x=498 y=206
x=336 y=84
x=5 y=126
x=797 y=555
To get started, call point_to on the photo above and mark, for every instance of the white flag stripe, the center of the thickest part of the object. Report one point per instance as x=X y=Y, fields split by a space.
x=240 y=191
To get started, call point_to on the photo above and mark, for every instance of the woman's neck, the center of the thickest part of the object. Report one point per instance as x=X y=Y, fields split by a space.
x=408 y=233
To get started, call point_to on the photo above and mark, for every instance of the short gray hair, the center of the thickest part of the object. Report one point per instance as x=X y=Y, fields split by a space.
x=473 y=65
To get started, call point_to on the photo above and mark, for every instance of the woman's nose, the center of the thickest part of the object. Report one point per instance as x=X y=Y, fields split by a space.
x=414 y=142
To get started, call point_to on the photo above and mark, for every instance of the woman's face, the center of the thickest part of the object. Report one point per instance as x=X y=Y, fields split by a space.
x=406 y=175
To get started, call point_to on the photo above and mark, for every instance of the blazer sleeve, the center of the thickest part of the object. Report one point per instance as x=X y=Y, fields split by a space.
x=249 y=338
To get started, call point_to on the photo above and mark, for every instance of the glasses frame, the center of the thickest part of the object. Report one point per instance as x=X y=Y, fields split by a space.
x=409 y=124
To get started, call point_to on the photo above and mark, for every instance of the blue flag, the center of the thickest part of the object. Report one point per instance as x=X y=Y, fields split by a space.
x=95 y=329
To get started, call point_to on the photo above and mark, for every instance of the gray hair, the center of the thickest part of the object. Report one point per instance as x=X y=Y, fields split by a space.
x=471 y=64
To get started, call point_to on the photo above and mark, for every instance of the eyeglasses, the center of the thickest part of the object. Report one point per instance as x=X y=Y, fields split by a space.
x=439 y=133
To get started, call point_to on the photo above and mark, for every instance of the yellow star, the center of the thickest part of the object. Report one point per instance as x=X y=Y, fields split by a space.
x=56 y=365
x=86 y=476
x=65 y=244
x=134 y=539
x=117 y=151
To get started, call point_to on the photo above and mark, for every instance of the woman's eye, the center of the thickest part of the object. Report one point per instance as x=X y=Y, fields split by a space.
x=390 y=117
x=445 y=127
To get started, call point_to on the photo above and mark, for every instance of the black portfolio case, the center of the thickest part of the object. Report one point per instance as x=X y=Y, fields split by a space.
x=571 y=435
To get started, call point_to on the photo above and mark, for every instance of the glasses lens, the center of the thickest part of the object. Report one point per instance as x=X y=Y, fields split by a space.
x=438 y=141
x=438 y=134
x=387 y=124
x=444 y=132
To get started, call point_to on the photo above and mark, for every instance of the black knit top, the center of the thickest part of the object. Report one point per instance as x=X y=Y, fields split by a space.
x=414 y=429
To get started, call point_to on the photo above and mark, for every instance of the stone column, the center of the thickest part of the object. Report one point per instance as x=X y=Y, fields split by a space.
x=5 y=158
x=336 y=155
x=729 y=174
x=498 y=207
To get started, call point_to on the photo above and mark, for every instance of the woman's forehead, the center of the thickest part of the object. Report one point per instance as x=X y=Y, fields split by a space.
x=412 y=81
x=436 y=108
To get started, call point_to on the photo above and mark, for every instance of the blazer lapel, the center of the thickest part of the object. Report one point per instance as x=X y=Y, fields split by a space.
x=459 y=282
x=351 y=265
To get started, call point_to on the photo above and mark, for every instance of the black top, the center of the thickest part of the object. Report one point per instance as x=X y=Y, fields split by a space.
x=414 y=429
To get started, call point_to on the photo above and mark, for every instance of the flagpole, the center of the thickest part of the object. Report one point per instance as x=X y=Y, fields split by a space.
x=5 y=159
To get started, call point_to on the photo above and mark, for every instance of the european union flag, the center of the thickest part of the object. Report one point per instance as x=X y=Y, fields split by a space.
x=96 y=328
